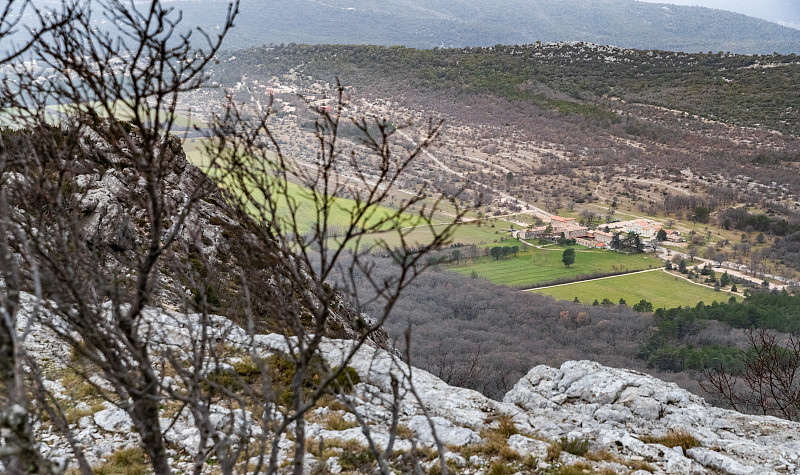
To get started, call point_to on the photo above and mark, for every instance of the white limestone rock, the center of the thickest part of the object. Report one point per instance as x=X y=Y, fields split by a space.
x=613 y=408
x=113 y=419
x=332 y=464
x=447 y=432
x=527 y=446
x=712 y=459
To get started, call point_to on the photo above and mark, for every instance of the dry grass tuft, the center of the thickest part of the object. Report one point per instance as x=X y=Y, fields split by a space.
x=125 y=462
x=336 y=421
x=553 y=452
x=674 y=438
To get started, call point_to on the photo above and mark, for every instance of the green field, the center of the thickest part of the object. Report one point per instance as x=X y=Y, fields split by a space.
x=122 y=111
x=306 y=202
x=533 y=265
x=195 y=151
x=341 y=212
x=658 y=287
x=466 y=234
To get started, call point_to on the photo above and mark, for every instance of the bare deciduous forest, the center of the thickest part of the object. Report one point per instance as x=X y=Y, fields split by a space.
x=485 y=337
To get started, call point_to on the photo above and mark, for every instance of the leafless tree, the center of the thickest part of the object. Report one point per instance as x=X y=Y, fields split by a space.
x=770 y=383
x=140 y=68
x=589 y=215
x=118 y=93
x=18 y=452
x=315 y=272
x=693 y=252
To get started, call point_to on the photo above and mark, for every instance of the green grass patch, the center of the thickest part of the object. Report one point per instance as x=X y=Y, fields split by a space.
x=195 y=151
x=657 y=287
x=341 y=213
x=467 y=234
x=307 y=204
x=122 y=111
x=534 y=266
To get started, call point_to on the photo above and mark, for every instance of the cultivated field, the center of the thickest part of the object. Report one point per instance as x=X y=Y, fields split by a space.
x=534 y=265
x=303 y=202
x=466 y=234
x=658 y=287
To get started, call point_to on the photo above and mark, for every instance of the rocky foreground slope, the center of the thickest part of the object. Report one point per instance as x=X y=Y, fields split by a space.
x=612 y=420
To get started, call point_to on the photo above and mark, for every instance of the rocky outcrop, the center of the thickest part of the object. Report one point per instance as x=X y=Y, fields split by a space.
x=622 y=408
x=623 y=418
x=100 y=199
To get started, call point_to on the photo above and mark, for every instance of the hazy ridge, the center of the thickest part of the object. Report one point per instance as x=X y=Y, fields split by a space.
x=438 y=23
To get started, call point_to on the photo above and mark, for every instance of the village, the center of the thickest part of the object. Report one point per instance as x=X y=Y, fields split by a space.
x=648 y=231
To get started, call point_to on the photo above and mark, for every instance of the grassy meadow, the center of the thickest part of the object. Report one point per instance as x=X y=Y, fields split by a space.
x=659 y=287
x=305 y=202
x=533 y=265
x=122 y=111
x=466 y=233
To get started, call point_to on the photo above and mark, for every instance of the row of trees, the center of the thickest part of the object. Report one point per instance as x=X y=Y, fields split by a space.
x=499 y=252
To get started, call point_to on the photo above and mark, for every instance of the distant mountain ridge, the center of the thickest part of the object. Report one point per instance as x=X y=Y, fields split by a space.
x=453 y=23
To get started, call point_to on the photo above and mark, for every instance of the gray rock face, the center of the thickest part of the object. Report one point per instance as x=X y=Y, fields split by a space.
x=446 y=431
x=618 y=407
x=615 y=409
x=620 y=412
x=107 y=221
x=526 y=445
x=113 y=419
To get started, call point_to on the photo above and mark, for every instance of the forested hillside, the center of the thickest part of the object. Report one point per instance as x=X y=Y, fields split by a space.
x=580 y=78
x=587 y=125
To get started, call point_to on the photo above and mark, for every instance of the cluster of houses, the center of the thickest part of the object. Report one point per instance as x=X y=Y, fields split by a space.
x=567 y=228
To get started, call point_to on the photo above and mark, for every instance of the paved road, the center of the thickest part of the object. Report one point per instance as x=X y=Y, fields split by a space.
x=733 y=272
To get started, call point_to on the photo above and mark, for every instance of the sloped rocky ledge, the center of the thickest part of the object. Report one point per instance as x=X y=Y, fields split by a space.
x=616 y=410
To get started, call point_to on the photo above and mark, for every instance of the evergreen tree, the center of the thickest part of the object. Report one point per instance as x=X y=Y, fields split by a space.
x=568 y=257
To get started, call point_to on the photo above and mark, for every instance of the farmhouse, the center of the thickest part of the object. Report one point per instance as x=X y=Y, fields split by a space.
x=596 y=238
x=643 y=227
x=572 y=231
x=530 y=233
x=561 y=220
x=568 y=228
x=588 y=242
x=603 y=237
x=674 y=236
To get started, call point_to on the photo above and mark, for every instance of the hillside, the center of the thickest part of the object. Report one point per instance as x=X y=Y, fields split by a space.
x=572 y=78
x=571 y=122
x=439 y=23
x=156 y=317
x=591 y=132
